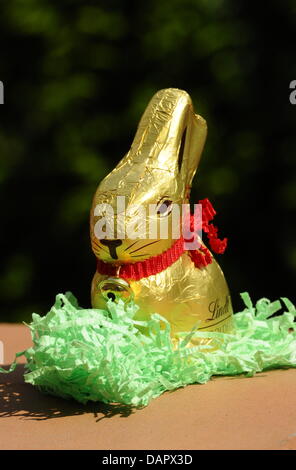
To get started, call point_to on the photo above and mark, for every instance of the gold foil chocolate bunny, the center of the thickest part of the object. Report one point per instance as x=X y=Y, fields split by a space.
x=158 y=273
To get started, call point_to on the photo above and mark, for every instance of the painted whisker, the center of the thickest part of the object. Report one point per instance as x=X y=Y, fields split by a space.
x=151 y=243
x=138 y=256
x=101 y=248
x=131 y=245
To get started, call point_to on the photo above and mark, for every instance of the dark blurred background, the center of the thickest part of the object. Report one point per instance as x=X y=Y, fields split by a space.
x=77 y=76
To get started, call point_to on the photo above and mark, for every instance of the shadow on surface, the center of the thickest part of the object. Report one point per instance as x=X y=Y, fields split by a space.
x=23 y=400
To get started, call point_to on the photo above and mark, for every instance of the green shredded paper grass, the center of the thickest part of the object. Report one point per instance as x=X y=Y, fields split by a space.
x=98 y=355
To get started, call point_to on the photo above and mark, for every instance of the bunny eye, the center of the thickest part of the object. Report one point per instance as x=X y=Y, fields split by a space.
x=164 y=207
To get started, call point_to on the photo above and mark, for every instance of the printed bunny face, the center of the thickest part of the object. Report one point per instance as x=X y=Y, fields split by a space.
x=157 y=170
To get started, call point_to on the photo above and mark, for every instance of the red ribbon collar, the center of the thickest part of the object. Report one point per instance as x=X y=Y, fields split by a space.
x=154 y=265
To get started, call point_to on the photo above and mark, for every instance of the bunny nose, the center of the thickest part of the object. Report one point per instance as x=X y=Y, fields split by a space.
x=116 y=289
x=112 y=245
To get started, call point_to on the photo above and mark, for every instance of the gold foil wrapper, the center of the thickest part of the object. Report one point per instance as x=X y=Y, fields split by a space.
x=158 y=169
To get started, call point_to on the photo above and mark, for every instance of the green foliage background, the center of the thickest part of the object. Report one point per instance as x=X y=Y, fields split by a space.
x=77 y=76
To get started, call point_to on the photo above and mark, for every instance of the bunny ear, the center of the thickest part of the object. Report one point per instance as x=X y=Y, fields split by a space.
x=165 y=152
x=191 y=146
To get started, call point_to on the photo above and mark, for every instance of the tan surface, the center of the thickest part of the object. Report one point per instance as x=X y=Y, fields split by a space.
x=226 y=413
